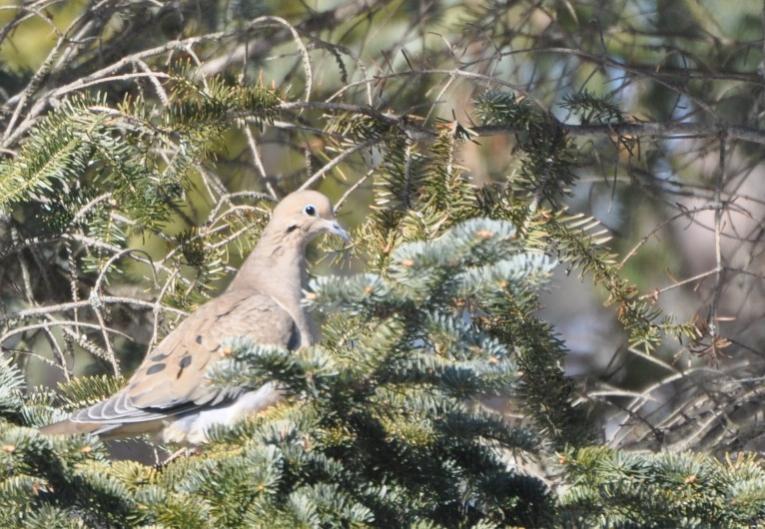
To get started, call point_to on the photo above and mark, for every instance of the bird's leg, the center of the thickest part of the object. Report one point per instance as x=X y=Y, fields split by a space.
x=185 y=451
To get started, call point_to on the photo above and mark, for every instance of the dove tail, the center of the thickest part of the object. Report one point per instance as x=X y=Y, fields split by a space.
x=67 y=427
x=104 y=430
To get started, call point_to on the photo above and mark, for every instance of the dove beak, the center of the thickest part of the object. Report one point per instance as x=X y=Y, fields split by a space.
x=335 y=229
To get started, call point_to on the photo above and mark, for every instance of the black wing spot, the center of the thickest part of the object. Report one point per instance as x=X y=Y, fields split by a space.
x=156 y=368
x=184 y=363
x=199 y=338
x=158 y=357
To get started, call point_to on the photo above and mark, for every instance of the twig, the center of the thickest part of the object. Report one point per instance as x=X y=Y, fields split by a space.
x=258 y=162
x=336 y=160
x=714 y=321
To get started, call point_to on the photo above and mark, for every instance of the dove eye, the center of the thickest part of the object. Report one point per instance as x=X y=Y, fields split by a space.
x=310 y=210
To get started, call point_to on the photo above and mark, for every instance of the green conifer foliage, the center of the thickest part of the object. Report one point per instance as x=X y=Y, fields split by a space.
x=384 y=426
x=608 y=488
x=388 y=429
x=131 y=182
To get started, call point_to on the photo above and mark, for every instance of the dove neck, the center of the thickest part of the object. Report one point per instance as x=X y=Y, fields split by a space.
x=275 y=267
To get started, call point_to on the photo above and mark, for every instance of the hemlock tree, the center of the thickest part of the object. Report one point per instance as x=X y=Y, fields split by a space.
x=143 y=144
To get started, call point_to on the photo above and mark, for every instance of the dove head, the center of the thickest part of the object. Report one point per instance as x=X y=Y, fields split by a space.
x=303 y=215
x=277 y=264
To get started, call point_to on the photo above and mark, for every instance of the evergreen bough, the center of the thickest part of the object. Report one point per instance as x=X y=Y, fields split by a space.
x=383 y=424
x=386 y=422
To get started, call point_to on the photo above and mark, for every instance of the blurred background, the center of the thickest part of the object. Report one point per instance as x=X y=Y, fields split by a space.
x=680 y=188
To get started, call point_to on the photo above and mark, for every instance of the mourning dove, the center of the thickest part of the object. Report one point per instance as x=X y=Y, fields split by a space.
x=169 y=394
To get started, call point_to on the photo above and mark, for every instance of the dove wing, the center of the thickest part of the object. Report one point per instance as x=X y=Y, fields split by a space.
x=171 y=379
